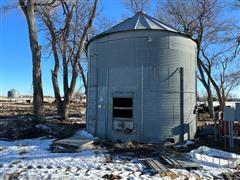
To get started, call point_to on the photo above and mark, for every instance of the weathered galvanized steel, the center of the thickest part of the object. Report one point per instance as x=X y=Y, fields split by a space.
x=13 y=94
x=139 y=21
x=142 y=82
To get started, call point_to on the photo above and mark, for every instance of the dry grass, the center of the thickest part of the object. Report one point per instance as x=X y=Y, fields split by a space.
x=170 y=174
x=12 y=109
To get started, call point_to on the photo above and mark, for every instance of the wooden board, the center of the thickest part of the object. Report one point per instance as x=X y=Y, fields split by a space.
x=155 y=165
x=188 y=165
x=171 y=161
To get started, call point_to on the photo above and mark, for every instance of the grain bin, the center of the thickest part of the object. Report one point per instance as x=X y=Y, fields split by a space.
x=142 y=82
x=13 y=94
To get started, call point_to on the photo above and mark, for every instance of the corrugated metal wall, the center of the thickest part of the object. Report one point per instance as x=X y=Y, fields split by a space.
x=128 y=62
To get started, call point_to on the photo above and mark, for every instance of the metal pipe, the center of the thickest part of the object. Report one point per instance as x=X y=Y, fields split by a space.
x=181 y=73
x=142 y=108
x=106 y=102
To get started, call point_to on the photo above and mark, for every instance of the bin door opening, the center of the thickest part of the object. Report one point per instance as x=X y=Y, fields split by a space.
x=123 y=114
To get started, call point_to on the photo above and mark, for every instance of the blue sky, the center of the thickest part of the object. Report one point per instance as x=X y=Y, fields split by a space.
x=15 y=54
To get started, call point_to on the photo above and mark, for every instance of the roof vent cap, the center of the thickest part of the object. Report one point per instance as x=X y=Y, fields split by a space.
x=141 y=12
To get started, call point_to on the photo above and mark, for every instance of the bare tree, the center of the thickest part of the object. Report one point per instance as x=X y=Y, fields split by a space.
x=227 y=80
x=136 y=5
x=101 y=24
x=201 y=20
x=236 y=8
x=28 y=7
x=46 y=14
x=227 y=76
x=68 y=37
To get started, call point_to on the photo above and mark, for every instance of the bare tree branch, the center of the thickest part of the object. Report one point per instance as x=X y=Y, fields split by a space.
x=136 y=5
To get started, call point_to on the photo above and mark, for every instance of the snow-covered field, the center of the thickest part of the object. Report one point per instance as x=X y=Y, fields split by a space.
x=32 y=159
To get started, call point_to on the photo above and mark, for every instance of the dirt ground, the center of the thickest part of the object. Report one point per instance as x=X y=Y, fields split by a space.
x=16 y=123
x=203 y=119
x=20 y=107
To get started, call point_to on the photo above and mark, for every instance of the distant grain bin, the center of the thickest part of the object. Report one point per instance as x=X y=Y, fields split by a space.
x=142 y=82
x=13 y=94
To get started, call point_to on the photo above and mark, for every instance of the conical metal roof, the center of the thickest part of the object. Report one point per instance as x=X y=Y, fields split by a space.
x=139 y=21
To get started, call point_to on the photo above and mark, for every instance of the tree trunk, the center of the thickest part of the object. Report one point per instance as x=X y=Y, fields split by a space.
x=203 y=80
x=210 y=104
x=59 y=103
x=55 y=71
x=208 y=89
x=66 y=111
x=45 y=16
x=68 y=91
x=217 y=89
x=84 y=79
x=223 y=100
x=38 y=109
x=66 y=106
x=38 y=105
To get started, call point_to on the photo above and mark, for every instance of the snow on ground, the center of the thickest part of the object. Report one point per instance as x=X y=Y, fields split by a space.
x=185 y=144
x=32 y=159
x=84 y=135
